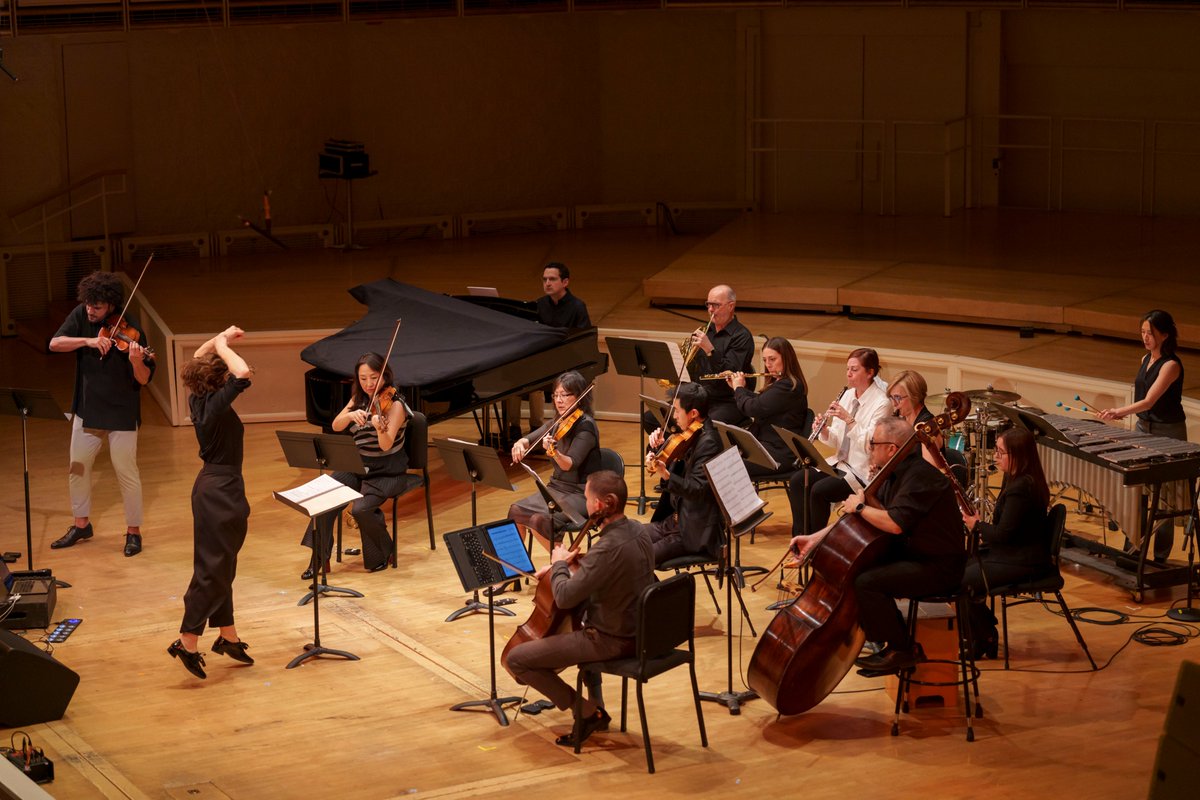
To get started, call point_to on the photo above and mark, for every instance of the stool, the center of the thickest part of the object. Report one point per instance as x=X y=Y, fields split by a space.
x=946 y=638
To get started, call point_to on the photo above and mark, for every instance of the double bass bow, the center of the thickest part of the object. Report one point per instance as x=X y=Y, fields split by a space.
x=812 y=642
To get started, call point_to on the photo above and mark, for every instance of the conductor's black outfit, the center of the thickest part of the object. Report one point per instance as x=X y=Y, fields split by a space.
x=219 y=509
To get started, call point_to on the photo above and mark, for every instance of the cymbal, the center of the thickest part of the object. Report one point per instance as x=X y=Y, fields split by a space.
x=992 y=396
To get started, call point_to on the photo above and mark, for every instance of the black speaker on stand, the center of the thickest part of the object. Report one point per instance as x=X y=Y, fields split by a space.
x=34 y=687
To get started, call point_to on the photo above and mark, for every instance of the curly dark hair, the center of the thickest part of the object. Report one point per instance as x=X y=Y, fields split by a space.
x=204 y=375
x=101 y=287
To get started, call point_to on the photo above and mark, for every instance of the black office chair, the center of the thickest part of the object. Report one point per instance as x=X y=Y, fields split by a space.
x=666 y=619
x=1048 y=580
x=602 y=458
x=416 y=447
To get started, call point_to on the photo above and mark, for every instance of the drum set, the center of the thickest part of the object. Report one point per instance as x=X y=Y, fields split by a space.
x=975 y=439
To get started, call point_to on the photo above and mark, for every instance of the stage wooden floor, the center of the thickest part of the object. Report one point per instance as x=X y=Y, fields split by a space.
x=141 y=727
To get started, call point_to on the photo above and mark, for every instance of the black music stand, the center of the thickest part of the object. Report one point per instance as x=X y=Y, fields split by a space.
x=474 y=576
x=321 y=451
x=553 y=504
x=474 y=464
x=807 y=455
x=743 y=512
x=643 y=358
x=312 y=503
x=752 y=450
x=1188 y=613
x=38 y=404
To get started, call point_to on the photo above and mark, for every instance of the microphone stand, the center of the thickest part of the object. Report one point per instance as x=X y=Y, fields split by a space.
x=1189 y=614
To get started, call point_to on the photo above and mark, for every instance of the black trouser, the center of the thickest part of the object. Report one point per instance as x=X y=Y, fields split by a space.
x=876 y=590
x=219 y=515
x=824 y=490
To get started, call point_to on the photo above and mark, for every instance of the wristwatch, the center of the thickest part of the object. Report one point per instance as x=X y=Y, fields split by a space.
x=858 y=509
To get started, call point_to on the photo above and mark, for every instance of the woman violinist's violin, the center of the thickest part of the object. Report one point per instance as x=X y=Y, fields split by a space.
x=122 y=334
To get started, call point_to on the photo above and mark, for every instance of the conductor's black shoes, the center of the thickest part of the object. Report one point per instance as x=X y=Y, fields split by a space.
x=235 y=650
x=192 y=662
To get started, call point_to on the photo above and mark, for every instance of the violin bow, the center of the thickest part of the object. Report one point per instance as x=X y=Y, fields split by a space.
x=386 y=359
x=128 y=300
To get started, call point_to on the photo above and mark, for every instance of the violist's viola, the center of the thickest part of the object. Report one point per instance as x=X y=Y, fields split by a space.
x=675 y=447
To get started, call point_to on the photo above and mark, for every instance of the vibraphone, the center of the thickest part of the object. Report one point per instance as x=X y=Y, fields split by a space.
x=1140 y=479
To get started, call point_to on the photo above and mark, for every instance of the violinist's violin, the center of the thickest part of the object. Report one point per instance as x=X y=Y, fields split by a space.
x=676 y=446
x=564 y=427
x=122 y=334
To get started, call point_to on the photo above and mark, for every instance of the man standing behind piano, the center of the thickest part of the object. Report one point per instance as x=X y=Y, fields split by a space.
x=725 y=344
x=561 y=309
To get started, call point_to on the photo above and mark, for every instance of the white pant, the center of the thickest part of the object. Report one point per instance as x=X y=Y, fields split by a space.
x=122 y=450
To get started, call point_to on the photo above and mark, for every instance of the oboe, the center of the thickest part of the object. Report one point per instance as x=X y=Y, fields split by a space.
x=825 y=416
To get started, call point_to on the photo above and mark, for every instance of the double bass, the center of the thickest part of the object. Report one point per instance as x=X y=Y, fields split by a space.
x=811 y=643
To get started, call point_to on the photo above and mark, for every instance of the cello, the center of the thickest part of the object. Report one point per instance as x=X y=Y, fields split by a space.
x=811 y=643
x=546 y=618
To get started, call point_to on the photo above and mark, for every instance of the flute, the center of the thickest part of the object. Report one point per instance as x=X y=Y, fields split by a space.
x=720 y=376
x=825 y=416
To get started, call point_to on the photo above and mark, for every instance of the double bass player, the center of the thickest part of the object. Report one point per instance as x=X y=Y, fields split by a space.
x=924 y=555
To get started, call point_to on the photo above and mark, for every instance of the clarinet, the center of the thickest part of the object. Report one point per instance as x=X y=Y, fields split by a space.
x=825 y=418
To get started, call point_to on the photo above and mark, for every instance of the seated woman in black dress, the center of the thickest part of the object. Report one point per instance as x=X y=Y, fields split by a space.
x=569 y=453
x=783 y=401
x=379 y=436
x=1016 y=543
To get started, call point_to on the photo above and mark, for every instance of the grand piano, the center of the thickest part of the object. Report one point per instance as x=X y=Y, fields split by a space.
x=452 y=356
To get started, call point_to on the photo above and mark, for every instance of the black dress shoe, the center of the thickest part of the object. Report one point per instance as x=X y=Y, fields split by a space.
x=387 y=562
x=235 y=650
x=891 y=660
x=192 y=662
x=586 y=728
x=307 y=575
x=72 y=536
x=133 y=544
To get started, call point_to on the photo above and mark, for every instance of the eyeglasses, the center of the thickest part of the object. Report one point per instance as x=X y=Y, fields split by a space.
x=896 y=398
x=561 y=396
x=874 y=443
x=715 y=305
x=997 y=453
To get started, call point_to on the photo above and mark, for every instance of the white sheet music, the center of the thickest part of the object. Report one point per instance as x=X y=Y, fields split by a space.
x=728 y=476
x=319 y=495
x=677 y=360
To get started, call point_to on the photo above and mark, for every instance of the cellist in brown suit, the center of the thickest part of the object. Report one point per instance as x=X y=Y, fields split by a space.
x=605 y=584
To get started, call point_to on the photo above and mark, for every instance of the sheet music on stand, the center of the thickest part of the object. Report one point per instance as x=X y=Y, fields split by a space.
x=729 y=479
x=323 y=493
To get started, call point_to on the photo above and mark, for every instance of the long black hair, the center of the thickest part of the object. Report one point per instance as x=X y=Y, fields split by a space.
x=375 y=362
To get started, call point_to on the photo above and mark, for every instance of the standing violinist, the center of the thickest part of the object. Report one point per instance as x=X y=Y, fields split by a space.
x=724 y=344
x=605 y=583
x=783 y=401
x=687 y=520
x=111 y=367
x=376 y=417
x=925 y=550
x=568 y=441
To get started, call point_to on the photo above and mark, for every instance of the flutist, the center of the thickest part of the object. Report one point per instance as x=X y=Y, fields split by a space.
x=725 y=344
x=783 y=401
